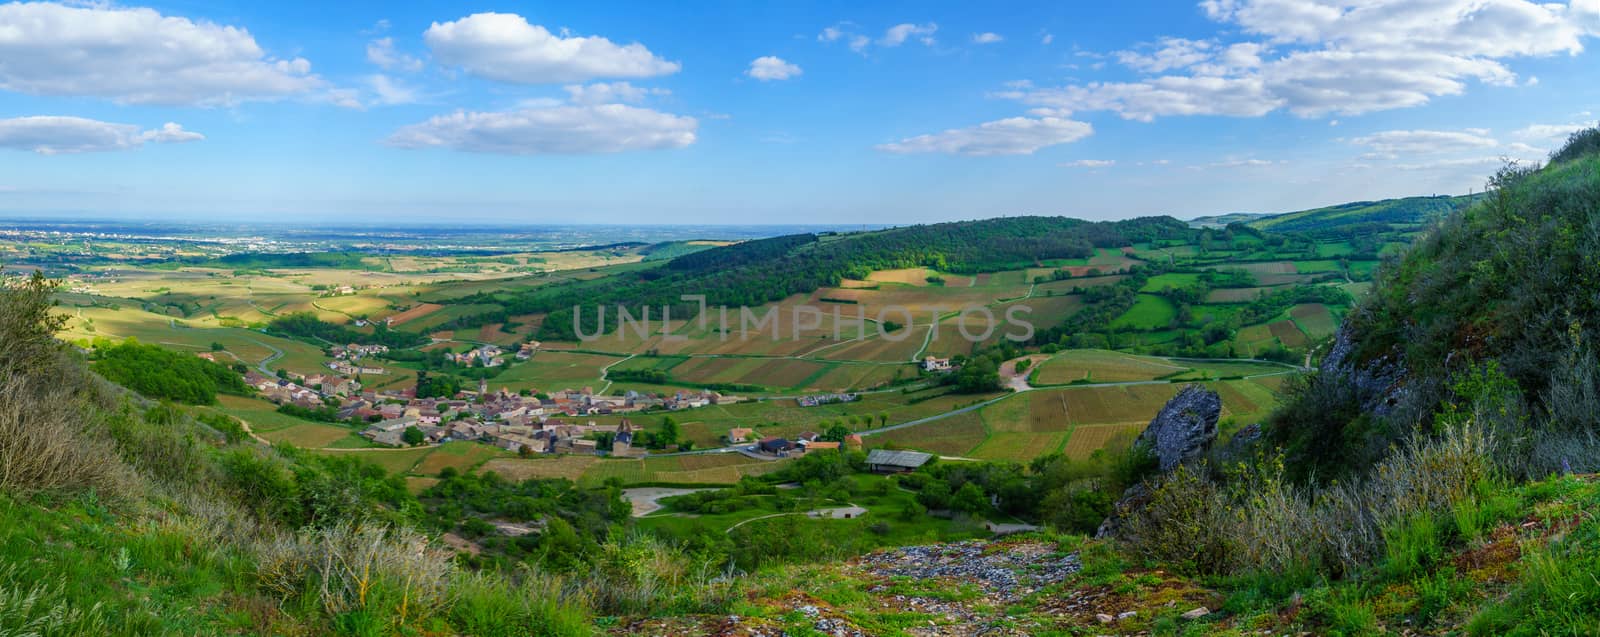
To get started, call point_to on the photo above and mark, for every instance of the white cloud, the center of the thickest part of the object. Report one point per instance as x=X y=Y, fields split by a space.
x=1550 y=134
x=505 y=47
x=987 y=37
x=899 y=33
x=1315 y=58
x=138 y=56
x=1011 y=136
x=1391 y=144
x=1158 y=97
x=1241 y=163
x=770 y=67
x=382 y=53
x=1174 y=53
x=850 y=34
x=558 y=130
x=387 y=91
x=1444 y=164
x=1089 y=163
x=1047 y=38
x=610 y=93
x=56 y=135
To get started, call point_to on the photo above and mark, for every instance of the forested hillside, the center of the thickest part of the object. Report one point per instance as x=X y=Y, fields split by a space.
x=766 y=270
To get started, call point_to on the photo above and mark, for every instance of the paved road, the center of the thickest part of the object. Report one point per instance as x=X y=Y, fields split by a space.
x=276 y=354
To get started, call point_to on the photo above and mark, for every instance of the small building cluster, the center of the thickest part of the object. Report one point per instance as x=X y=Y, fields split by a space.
x=933 y=364
x=484 y=356
x=802 y=444
x=825 y=399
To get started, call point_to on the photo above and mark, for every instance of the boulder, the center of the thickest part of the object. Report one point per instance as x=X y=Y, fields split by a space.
x=1183 y=430
x=1185 y=427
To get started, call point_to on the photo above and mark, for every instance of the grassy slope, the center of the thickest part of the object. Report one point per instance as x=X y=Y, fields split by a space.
x=1521 y=565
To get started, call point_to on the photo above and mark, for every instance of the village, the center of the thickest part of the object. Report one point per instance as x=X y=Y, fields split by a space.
x=520 y=422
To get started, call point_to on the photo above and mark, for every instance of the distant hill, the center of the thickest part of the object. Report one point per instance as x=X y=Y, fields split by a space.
x=1406 y=213
x=1218 y=221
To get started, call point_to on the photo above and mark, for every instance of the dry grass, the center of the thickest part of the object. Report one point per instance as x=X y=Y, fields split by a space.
x=1261 y=524
x=53 y=449
x=392 y=576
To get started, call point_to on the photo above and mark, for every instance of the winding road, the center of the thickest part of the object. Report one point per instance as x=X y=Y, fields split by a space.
x=276 y=354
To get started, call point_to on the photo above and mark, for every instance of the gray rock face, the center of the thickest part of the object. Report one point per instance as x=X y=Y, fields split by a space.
x=1185 y=427
x=1376 y=385
x=1241 y=445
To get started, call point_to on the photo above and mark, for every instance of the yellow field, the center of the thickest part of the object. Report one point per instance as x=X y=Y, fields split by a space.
x=398 y=461
x=1102 y=366
x=460 y=455
x=309 y=435
x=702 y=469
x=1087 y=439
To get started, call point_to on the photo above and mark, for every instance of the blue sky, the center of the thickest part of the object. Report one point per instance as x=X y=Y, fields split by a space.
x=741 y=112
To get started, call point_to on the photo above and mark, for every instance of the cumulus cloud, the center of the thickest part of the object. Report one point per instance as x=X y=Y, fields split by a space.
x=1090 y=163
x=610 y=93
x=1011 y=136
x=58 y=135
x=505 y=47
x=1394 y=143
x=139 y=56
x=382 y=53
x=555 y=130
x=987 y=37
x=1316 y=58
x=770 y=67
x=1157 y=97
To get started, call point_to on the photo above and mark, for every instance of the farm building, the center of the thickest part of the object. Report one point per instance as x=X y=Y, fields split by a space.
x=775 y=445
x=885 y=461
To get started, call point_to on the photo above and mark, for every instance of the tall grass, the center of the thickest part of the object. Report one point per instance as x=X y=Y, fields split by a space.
x=365 y=577
x=42 y=609
x=1260 y=523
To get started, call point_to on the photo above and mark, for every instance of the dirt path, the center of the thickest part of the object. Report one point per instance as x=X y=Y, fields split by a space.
x=607 y=370
x=647 y=500
x=1017 y=379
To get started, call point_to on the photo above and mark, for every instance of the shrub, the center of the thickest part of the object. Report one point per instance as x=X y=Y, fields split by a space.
x=1183 y=523
x=1579 y=144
